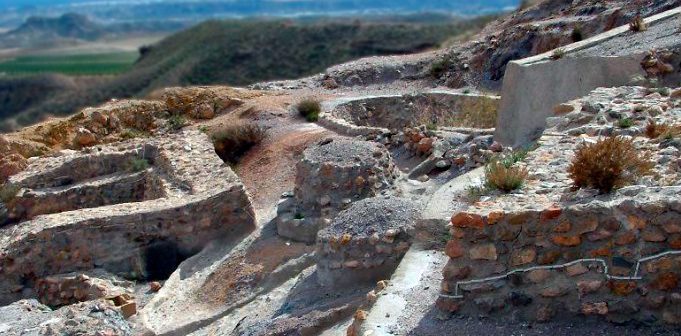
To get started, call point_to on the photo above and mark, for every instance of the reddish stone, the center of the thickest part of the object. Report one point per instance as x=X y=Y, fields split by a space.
x=671 y=227
x=654 y=236
x=622 y=288
x=545 y=313
x=453 y=272
x=524 y=256
x=675 y=243
x=155 y=286
x=626 y=238
x=548 y=258
x=454 y=249
x=483 y=252
x=586 y=226
x=468 y=220
x=563 y=227
x=588 y=286
x=599 y=235
x=597 y=308
x=666 y=282
x=636 y=222
x=601 y=252
x=576 y=269
x=448 y=304
x=519 y=219
x=494 y=217
x=567 y=240
x=552 y=212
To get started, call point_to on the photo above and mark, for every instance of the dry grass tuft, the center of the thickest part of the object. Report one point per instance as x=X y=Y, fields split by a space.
x=662 y=131
x=608 y=164
x=504 y=177
x=638 y=24
x=309 y=109
x=233 y=141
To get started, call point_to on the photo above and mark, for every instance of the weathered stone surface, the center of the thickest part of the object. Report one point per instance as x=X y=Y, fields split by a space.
x=331 y=175
x=186 y=198
x=347 y=241
x=483 y=252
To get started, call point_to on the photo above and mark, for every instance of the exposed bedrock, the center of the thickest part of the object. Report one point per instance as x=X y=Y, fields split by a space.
x=366 y=242
x=332 y=175
x=136 y=209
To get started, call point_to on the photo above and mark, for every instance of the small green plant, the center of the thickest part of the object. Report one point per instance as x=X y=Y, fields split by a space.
x=625 y=123
x=431 y=126
x=8 y=192
x=177 y=122
x=203 y=129
x=558 y=54
x=131 y=133
x=638 y=24
x=440 y=66
x=138 y=164
x=309 y=109
x=608 y=164
x=299 y=216
x=577 y=34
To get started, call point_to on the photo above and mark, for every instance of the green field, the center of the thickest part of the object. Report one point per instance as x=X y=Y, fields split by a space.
x=82 y=64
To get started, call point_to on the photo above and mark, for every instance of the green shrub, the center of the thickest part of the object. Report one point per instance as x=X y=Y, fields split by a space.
x=309 y=109
x=233 y=141
x=625 y=123
x=440 y=66
x=176 y=122
x=8 y=192
x=608 y=164
x=138 y=164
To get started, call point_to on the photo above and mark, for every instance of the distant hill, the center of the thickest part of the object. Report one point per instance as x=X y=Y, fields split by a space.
x=243 y=52
x=71 y=28
x=199 y=10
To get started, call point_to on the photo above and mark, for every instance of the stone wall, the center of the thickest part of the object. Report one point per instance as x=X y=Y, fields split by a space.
x=332 y=175
x=534 y=86
x=200 y=200
x=620 y=260
x=366 y=242
x=378 y=114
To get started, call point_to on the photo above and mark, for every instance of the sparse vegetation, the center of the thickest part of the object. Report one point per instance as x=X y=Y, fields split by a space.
x=8 y=192
x=82 y=64
x=177 y=122
x=506 y=178
x=440 y=66
x=309 y=109
x=661 y=131
x=625 y=123
x=638 y=24
x=608 y=164
x=138 y=164
x=577 y=34
x=558 y=54
x=132 y=133
x=233 y=141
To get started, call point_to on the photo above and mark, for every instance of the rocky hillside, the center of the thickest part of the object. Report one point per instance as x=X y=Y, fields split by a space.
x=244 y=52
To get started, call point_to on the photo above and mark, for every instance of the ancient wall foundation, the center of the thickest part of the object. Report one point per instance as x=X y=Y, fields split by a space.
x=148 y=204
x=365 y=243
x=332 y=175
x=619 y=261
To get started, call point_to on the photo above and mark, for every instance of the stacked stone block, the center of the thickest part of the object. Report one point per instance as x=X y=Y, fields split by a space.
x=332 y=175
x=366 y=242
x=620 y=261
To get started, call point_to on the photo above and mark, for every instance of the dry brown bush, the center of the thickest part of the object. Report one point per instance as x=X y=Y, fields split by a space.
x=608 y=164
x=234 y=140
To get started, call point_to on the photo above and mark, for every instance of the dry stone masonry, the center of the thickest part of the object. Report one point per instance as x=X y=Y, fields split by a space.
x=366 y=242
x=154 y=202
x=549 y=250
x=332 y=175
